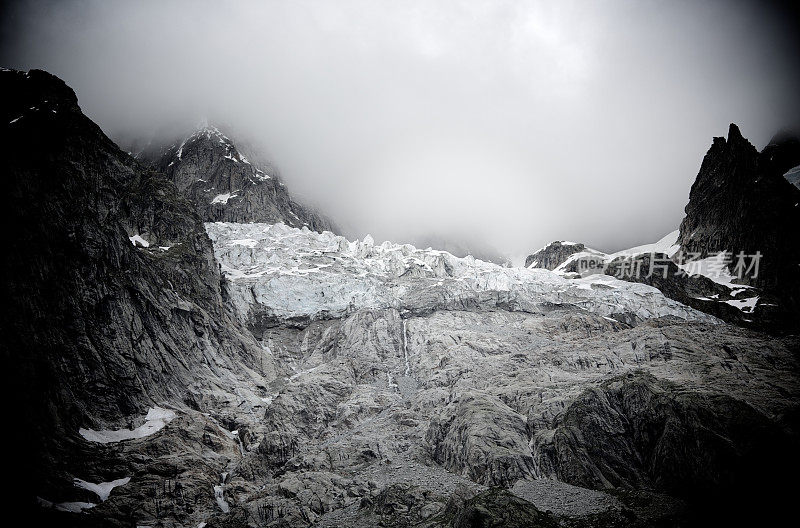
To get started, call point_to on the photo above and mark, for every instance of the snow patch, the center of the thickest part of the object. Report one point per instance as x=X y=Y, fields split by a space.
x=71 y=507
x=223 y=198
x=745 y=305
x=137 y=240
x=155 y=420
x=667 y=245
x=102 y=489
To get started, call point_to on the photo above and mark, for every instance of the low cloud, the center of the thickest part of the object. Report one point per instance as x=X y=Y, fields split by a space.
x=500 y=125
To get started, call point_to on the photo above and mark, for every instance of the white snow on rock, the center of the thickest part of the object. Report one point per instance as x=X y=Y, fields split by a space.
x=223 y=198
x=74 y=507
x=745 y=305
x=287 y=272
x=155 y=420
x=137 y=240
x=714 y=267
x=668 y=245
x=71 y=507
x=102 y=489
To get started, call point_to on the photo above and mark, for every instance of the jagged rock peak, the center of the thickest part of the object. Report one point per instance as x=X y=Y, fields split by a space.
x=39 y=87
x=226 y=186
x=741 y=203
x=208 y=133
x=734 y=134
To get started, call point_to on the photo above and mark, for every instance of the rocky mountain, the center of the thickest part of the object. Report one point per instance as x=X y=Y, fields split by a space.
x=225 y=186
x=734 y=249
x=163 y=371
x=740 y=202
x=99 y=327
x=449 y=373
x=553 y=255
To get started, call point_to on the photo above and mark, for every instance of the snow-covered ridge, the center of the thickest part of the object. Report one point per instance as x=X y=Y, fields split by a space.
x=286 y=272
x=668 y=245
x=713 y=267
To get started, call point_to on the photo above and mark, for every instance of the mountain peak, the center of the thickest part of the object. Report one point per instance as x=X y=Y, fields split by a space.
x=225 y=186
x=734 y=134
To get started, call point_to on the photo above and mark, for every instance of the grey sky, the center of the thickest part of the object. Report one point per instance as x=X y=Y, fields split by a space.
x=505 y=124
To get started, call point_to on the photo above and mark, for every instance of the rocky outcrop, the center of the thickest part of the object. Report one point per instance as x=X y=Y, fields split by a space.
x=553 y=255
x=484 y=439
x=498 y=508
x=741 y=203
x=113 y=298
x=640 y=432
x=226 y=187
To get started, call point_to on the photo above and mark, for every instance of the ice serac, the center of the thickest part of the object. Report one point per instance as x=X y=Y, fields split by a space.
x=277 y=272
x=225 y=185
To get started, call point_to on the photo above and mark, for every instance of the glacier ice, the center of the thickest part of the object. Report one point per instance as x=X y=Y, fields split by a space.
x=286 y=272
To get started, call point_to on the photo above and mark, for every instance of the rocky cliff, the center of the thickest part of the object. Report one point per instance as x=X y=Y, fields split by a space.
x=740 y=202
x=114 y=303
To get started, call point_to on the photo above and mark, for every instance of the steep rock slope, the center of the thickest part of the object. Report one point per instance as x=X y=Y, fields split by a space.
x=740 y=202
x=100 y=323
x=225 y=186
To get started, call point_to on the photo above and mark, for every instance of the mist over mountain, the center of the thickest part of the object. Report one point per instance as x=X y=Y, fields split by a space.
x=495 y=124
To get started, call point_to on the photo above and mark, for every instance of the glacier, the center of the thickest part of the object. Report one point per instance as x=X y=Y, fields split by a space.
x=286 y=272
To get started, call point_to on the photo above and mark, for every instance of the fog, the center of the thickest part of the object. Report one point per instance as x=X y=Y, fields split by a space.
x=488 y=124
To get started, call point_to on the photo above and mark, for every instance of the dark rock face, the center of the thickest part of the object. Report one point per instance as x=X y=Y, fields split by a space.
x=485 y=438
x=638 y=432
x=498 y=508
x=697 y=291
x=740 y=202
x=226 y=187
x=96 y=329
x=553 y=255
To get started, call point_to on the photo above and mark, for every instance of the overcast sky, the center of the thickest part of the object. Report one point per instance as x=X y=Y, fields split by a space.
x=504 y=124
